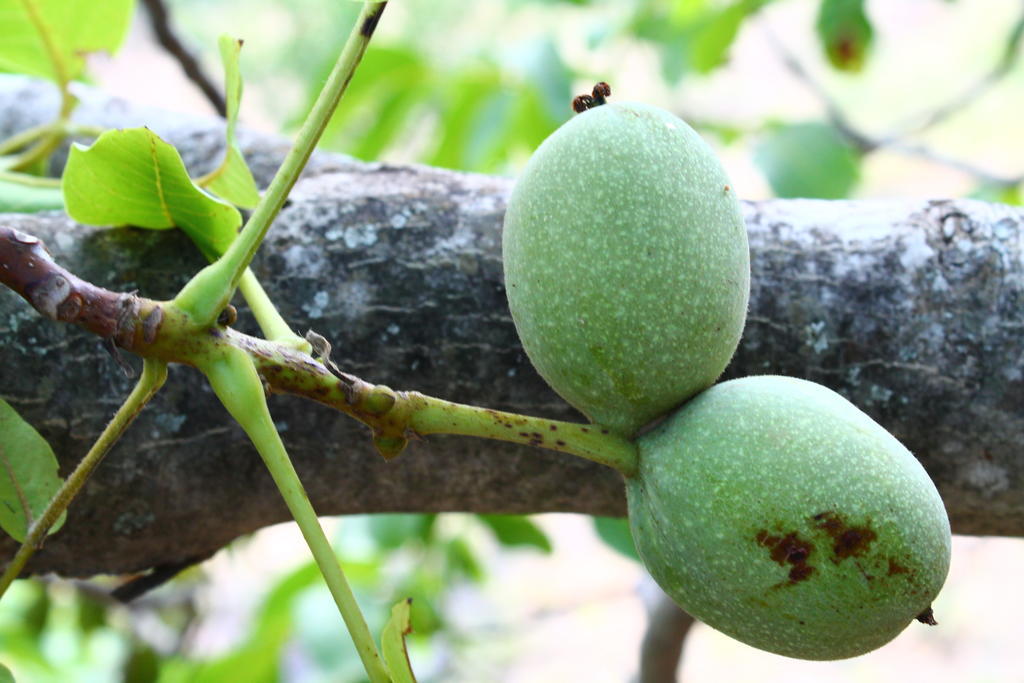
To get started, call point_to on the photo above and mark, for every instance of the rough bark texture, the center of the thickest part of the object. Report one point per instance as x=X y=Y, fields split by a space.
x=912 y=309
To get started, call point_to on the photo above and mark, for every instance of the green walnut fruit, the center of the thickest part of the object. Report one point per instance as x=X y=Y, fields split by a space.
x=626 y=264
x=775 y=511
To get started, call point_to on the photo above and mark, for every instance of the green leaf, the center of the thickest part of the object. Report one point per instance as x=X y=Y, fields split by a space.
x=614 y=531
x=5 y=675
x=378 y=102
x=132 y=177
x=808 y=160
x=258 y=658
x=20 y=198
x=716 y=34
x=392 y=644
x=464 y=98
x=542 y=66
x=462 y=560
x=513 y=530
x=392 y=530
x=28 y=474
x=142 y=664
x=845 y=33
x=71 y=29
x=1003 y=194
x=232 y=180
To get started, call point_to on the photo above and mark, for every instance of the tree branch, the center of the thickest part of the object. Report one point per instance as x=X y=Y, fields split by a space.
x=911 y=309
x=662 y=646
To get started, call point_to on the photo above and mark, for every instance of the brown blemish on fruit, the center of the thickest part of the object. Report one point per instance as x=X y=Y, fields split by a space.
x=788 y=550
x=927 y=617
x=896 y=568
x=848 y=541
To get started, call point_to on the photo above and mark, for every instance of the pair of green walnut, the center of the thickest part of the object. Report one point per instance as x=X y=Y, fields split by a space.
x=768 y=507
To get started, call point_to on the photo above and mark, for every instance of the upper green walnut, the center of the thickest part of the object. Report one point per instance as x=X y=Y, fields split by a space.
x=775 y=511
x=626 y=263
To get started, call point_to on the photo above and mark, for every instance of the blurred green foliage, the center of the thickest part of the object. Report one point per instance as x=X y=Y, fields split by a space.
x=482 y=101
x=62 y=631
x=808 y=160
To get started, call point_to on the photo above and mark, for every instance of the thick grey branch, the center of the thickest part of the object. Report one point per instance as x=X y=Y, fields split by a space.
x=913 y=309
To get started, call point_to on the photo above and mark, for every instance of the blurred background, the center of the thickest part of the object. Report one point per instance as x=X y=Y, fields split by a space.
x=808 y=98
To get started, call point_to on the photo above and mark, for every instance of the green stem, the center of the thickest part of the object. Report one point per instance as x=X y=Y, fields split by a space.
x=235 y=381
x=154 y=373
x=267 y=316
x=53 y=138
x=25 y=137
x=590 y=441
x=58 y=128
x=29 y=180
x=209 y=291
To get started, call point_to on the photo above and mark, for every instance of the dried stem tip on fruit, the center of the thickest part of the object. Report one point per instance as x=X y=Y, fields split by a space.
x=596 y=98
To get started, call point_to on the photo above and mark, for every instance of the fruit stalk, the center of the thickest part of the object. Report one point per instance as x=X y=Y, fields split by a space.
x=590 y=441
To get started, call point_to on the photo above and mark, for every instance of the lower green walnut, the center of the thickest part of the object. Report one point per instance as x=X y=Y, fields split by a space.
x=775 y=511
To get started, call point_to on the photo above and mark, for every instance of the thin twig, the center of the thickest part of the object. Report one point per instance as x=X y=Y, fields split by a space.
x=866 y=143
x=165 y=35
x=1008 y=58
x=140 y=585
x=662 y=647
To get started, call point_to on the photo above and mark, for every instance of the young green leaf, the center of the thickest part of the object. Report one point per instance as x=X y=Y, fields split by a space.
x=512 y=530
x=17 y=197
x=50 y=38
x=28 y=474
x=845 y=33
x=998 y=193
x=392 y=643
x=391 y=531
x=716 y=34
x=232 y=180
x=808 y=160
x=614 y=531
x=132 y=177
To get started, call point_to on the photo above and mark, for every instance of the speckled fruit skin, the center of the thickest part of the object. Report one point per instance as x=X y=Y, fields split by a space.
x=626 y=263
x=775 y=511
